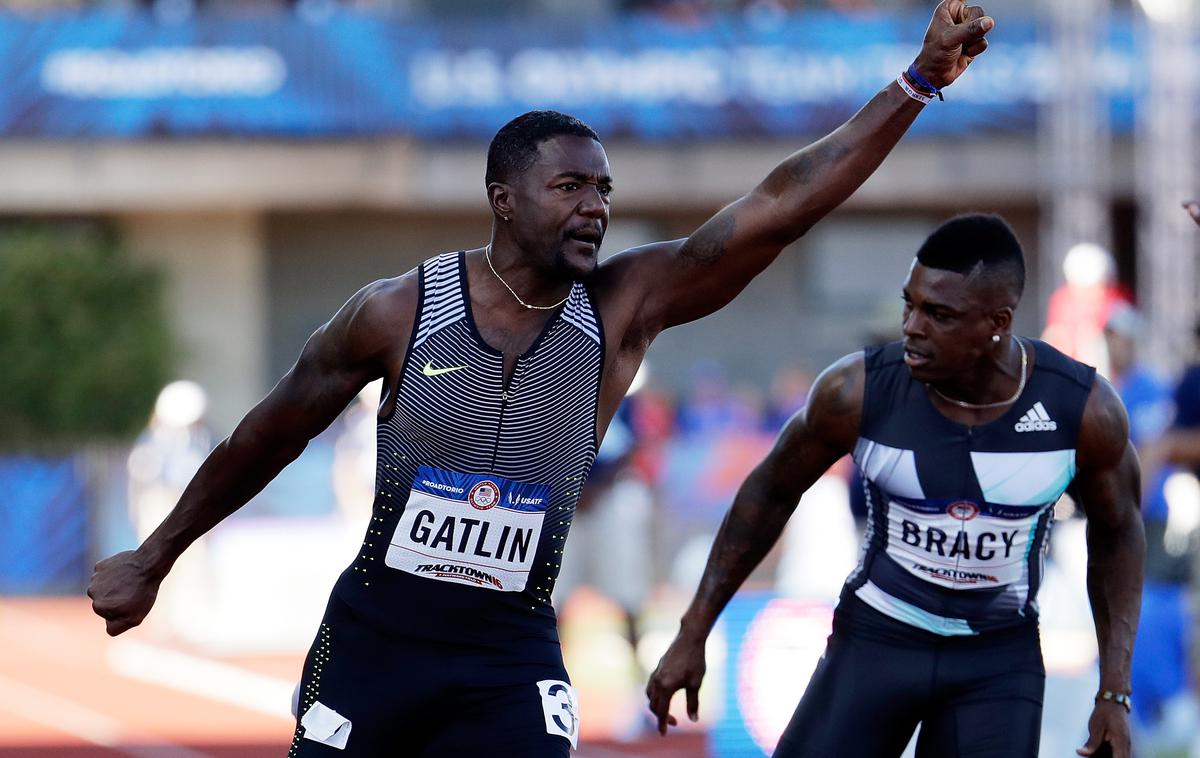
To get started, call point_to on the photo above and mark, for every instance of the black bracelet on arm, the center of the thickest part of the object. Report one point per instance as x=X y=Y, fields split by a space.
x=1121 y=698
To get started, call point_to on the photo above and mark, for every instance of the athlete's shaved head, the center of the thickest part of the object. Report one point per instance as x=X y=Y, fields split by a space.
x=515 y=147
x=981 y=247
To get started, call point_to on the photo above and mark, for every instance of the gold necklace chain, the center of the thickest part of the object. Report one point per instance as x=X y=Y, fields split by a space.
x=487 y=253
x=983 y=406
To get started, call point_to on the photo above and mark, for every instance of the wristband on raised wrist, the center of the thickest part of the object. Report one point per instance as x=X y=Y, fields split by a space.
x=911 y=91
x=921 y=83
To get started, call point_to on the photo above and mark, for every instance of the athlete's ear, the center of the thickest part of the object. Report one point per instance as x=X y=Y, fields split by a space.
x=500 y=197
x=1002 y=319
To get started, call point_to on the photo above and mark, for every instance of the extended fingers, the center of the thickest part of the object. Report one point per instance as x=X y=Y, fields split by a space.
x=660 y=703
x=693 y=703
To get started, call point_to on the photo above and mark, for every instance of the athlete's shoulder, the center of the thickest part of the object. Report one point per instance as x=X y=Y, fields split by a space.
x=623 y=284
x=834 y=408
x=632 y=264
x=839 y=388
x=387 y=297
x=1050 y=360
x=375 y=314
x=1104 y=429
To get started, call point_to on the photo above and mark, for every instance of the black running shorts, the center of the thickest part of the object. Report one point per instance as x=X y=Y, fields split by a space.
x=364 y=693
x=973 y=697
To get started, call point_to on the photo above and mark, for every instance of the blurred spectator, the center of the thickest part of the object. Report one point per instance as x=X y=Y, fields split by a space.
x=710 y=407
x=651 y=416
x=789 y=392
x=167 y=454
x=354 y=455
x=610 y=545
x=1165 y=705
x=161 y=464
x=1147 y=398
x=1078 y=309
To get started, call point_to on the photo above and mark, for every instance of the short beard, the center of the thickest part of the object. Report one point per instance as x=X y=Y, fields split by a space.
x=568 y=272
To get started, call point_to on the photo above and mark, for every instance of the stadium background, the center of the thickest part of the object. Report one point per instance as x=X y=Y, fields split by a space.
x=269 y=158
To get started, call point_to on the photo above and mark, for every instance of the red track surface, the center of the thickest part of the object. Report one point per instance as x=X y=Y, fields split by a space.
x=60 y=697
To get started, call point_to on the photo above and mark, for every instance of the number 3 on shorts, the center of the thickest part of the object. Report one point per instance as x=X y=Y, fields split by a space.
x=560 y=706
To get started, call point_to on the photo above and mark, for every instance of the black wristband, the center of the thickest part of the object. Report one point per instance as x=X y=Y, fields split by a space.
x=1121 y=698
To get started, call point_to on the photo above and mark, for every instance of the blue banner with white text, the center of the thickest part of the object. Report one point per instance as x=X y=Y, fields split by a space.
x=104 y=75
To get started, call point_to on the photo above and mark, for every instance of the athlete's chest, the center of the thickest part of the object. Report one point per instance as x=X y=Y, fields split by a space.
x=455 y=386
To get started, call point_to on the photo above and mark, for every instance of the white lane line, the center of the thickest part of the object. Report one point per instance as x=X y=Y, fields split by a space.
x=194 y=675
x=65 y=716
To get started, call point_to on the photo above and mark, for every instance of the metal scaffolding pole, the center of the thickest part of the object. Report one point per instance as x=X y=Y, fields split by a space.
x=1074 y=140
x=1167 y=284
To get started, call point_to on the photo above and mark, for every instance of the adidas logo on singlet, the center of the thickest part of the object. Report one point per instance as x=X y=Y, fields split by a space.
x=1036 y=420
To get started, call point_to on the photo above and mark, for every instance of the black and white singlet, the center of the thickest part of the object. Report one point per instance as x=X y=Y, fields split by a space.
x=959 y=516
x=476 y=484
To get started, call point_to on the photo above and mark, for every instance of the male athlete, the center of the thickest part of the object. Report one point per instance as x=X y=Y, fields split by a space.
x=966 y=435
x=502 y=368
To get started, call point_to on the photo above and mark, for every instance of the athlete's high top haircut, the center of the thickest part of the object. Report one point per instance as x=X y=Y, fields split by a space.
x=977 y=245
x=515 y=147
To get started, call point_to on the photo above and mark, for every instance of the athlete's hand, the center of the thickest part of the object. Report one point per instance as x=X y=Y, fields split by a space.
x=955 y=36
x=123 y=591
x=1109 y=725
x=1193 y=209
x=681 y=667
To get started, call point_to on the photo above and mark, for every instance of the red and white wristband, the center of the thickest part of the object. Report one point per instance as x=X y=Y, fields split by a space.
x=912 y=91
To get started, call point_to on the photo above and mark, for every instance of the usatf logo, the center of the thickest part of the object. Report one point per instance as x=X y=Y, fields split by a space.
x=484 y=495
x=1036 y=420
x=963 y=510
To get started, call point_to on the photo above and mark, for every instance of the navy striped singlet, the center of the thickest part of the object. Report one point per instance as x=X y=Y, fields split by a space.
x=476 y=486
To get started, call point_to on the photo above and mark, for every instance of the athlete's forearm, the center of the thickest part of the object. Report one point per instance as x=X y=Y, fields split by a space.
x=815 y=180
x=748 y=531
x=1116 y=554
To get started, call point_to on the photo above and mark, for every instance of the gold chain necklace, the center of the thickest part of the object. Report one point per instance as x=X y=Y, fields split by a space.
x=487 y=253
x=983 y=406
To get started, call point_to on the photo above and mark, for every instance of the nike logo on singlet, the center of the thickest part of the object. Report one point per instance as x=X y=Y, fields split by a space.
x=429 y=370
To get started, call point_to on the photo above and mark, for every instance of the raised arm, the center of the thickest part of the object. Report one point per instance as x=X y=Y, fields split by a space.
x=812 y=441
x=1108 y=486
x=690 y=278
x=339 y=360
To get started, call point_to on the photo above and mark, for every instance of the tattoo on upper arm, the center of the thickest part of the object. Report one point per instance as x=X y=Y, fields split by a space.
x=707 y=245
x=804 y=166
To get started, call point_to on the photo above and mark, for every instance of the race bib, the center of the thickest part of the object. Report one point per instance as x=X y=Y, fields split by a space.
x=560 y=707
x=476 y=529
x=962 y=544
